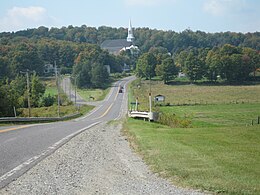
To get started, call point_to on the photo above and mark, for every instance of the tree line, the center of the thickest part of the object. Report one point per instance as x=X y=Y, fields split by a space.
x=34 y=54
x=14 y=94
x=145 y=37
x=227 y=62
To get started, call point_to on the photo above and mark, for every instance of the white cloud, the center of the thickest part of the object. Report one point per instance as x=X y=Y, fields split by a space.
x=222 y=7
x=147 y=2
x=18 y=18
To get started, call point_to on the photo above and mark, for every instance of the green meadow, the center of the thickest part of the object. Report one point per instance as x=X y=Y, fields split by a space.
x=93 y=94
x=218 y=153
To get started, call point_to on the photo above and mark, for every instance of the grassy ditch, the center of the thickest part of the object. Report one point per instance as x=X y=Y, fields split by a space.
x=218 y=152
x=52 y=111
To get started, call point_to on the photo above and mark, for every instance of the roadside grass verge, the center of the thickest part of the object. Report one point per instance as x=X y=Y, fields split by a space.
x=52 y=111
x=219 y=159
x=220 y=153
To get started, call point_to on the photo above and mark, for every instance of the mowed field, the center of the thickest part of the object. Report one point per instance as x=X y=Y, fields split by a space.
x=219 y=153
x=190 y=94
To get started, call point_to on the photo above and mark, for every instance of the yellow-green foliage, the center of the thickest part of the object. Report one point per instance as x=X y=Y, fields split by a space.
x=172 y=120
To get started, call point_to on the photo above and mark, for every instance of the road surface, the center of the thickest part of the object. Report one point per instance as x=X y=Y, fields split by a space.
x=21 y=147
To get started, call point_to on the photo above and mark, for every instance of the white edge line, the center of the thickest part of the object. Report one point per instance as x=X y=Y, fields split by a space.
x=50 y=149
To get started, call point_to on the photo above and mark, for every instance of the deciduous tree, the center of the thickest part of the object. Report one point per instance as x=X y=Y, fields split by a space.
x=145 y=67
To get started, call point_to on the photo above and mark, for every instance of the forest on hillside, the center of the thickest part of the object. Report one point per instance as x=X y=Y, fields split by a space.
x=145 y=38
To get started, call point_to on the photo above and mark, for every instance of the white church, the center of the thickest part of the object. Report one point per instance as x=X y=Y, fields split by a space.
x=117 y=45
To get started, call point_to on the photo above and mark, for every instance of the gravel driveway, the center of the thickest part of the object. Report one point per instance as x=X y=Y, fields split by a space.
x=98 y=161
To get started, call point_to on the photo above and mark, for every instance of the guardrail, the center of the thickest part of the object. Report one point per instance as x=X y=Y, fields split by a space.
x=151 y=116
x=38 y=119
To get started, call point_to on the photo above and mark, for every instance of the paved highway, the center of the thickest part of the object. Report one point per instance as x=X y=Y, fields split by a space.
x=23 y=146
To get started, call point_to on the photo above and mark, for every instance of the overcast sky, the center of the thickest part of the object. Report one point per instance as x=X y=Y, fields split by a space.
x=176 y=15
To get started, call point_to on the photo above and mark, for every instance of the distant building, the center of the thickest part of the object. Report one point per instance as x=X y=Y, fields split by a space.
x=115 y=46
x=49 y=69
x=126 y=68
x=108 y=69
x=130 y=37
x=118 y=45
x=181 y=75
x=159 y=98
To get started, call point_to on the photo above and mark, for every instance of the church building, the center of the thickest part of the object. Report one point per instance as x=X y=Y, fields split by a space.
x=118 y=45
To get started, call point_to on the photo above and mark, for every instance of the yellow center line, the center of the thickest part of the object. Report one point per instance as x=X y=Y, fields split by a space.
x=105 y=111
x=14 y=128
x=116 y=95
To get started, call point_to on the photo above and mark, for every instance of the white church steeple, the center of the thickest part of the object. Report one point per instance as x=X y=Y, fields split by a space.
x=130 y=36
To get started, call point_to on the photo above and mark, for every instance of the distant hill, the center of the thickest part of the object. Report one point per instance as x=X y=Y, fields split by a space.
x=145 y=37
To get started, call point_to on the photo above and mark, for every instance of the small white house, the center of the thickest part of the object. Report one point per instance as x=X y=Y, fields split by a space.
x=49 y=68
x=181 y=75
x=159 y=98
x=108 y=69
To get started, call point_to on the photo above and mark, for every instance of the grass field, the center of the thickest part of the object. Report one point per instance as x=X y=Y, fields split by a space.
x=218 y=115
x=224 y=159
x=96 y=94
x=197 y=94
x=51 y=87
x=220 y=153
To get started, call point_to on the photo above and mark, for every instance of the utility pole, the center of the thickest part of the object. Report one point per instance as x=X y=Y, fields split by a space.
x=28 y=91
x=75 y=83
x=70 y=87
x=150 y=92
x=28 y=88
x=65 y=86
x=58 y=88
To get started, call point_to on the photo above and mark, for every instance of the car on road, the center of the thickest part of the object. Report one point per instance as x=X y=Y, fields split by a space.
x=120 y=89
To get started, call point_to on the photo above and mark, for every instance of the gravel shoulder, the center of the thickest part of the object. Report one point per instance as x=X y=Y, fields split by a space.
x=98 y=161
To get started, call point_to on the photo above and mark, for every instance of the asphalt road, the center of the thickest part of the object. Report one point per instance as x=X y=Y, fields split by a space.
x=21 y=147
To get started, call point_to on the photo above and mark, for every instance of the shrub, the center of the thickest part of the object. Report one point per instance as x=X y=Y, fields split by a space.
x=172 y=120
x=48 y=100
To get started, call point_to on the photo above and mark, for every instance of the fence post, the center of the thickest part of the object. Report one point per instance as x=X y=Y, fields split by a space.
x=258 y=120
x=252 y=123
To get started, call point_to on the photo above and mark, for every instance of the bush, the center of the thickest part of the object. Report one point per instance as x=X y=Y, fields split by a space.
x=48 y=100
x=174 y=121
